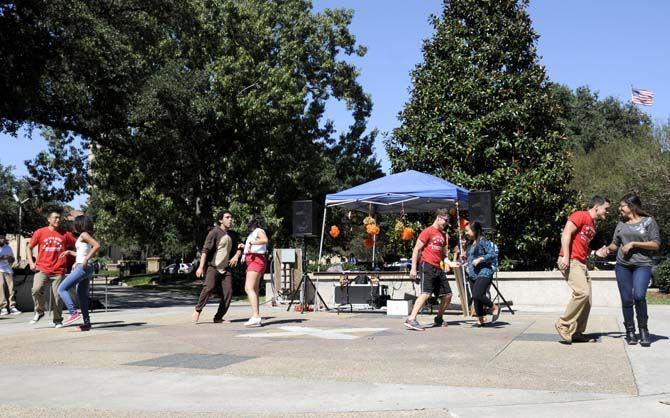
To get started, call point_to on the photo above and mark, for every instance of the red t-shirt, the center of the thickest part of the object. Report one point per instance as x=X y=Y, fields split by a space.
x=586 y=230
x=435 y=241
x=50 y=245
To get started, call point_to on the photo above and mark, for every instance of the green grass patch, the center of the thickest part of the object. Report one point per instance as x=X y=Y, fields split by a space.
x=139 y=280
x=658 y=298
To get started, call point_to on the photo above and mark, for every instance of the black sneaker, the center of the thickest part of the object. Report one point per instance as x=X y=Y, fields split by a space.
x=439 y=322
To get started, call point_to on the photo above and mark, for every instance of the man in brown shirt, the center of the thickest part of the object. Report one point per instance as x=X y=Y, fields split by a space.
x=219 y=253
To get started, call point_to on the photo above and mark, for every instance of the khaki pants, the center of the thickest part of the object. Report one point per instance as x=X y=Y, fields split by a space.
x=579 y=307
x=40 y=280
x=7 y=302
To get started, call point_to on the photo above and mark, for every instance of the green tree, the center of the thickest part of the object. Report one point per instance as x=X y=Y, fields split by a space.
x=615 y=149
x=616 y=168
x=591 y=122
x=34 y=210
x=482 y=114
x=204 y=103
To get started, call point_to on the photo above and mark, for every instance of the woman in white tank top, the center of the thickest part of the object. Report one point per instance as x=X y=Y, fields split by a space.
x=256 y=260
x=86 y=247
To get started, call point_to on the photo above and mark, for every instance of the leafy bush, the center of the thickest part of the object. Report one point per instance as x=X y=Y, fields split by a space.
x=663 y=276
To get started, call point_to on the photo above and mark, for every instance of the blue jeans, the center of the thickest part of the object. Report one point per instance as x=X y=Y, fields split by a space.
x=633 y=282
x=79 y=277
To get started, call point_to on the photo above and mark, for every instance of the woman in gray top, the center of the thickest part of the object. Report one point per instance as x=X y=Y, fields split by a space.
x=635 y=239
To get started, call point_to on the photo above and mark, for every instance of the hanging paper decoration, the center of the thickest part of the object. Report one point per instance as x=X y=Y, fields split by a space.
x=372 y=229
x=369 y=220
x=407 y=234
x=334 y=231
x=368 y=243
x=399 y=226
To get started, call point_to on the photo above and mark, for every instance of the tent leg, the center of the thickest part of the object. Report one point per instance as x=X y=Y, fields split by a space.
x=466 y=282
x=374 y=245
x=318 y=261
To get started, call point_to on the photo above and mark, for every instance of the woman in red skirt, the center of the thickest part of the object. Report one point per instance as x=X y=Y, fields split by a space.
x=255 y=258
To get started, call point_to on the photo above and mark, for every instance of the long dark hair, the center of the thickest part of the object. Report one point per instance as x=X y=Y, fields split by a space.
x=256 y=221
x=635 y=204
x=82 y=223
x=476 y=227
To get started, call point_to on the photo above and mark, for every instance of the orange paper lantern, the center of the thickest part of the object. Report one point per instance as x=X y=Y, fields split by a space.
x=334 y=231
x=407 y=234
x=372 y=229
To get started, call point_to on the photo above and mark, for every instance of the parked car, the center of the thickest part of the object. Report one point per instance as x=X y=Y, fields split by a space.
x=185 y=268
x=169 y=269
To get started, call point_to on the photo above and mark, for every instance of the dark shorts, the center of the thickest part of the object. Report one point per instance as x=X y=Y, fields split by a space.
x=434 y=280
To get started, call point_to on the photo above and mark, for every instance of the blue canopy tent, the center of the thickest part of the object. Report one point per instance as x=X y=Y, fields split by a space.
x=408 y=192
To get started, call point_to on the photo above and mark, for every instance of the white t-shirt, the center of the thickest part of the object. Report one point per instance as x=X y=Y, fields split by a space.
x=254 y=249
x=83 y=248
x=5 y=267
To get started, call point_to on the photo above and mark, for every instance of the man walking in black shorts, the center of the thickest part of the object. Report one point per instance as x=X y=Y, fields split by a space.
x=432 y=244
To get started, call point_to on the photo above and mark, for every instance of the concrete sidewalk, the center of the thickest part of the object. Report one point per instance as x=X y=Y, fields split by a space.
x=156 y=362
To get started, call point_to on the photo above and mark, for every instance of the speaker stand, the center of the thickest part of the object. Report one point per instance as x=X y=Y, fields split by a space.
x=493 y=283
x=302 y=286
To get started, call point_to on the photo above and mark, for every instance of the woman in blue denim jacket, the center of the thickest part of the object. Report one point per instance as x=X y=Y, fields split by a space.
x=481 y=263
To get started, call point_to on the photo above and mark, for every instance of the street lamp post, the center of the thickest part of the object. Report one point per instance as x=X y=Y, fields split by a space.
x=18 y=236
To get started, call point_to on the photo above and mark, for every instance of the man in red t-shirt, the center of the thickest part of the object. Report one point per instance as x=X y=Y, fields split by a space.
x=49 y=267
x=575 y=239
x=432 y=244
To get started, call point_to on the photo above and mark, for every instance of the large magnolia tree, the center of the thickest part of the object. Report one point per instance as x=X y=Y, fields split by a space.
x=482 y=115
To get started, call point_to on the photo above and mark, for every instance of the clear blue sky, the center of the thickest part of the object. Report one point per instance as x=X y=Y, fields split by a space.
x=605 y=44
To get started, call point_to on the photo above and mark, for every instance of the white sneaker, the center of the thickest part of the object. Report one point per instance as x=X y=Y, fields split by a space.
x=4 y=311
x=36 y=318
x=253 y=322
x=57 y=324
x=14 y=311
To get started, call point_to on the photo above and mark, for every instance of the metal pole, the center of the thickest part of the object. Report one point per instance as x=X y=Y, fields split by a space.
x=318 y=262
x=466 y=282
x=18 y=237
x=323 y=229
x=374 y=248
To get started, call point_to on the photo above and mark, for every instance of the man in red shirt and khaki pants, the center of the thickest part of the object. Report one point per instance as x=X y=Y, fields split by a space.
x=50 y=241
x=575 y=239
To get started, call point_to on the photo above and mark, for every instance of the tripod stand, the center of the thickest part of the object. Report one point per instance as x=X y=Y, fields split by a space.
x=302 y=285
x=494 y=283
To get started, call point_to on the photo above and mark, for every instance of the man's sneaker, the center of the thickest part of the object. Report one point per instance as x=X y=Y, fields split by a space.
x=70 y=319
x=57 y=324
x=439 y=322
x=253 y=322
x=4 y=311
x=14 y=311
x=85 y=327
x=36 y=317
x=217 y=320
x=413 y=324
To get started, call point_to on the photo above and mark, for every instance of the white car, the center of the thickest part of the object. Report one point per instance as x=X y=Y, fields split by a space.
x=185 y=267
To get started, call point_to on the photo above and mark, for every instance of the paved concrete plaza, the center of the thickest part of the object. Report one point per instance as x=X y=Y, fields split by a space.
x=156 y=362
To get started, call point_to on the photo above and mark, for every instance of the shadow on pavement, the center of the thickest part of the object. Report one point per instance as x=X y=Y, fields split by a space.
x=284 y=321
x=116 y=324
x=134 y=298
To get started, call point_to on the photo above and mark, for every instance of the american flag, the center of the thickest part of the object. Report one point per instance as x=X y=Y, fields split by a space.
x=642 y=97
